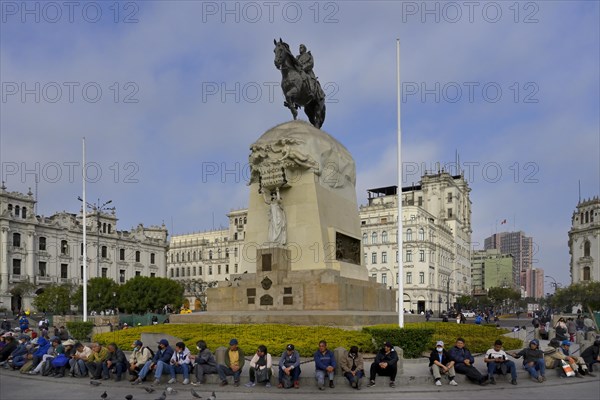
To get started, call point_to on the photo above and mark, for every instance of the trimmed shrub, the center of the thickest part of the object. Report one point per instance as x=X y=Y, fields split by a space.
x=413 y=341
x=80 y=330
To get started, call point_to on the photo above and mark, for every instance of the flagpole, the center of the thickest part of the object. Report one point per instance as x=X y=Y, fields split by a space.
x=84 y=205
x=399 y=197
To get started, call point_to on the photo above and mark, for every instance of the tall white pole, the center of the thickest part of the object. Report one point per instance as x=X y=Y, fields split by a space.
x=399 y=197
x=84 y=204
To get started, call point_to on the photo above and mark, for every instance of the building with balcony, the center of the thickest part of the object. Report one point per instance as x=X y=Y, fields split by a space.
x=43 y=250
x=584 y=241
x=490 y=268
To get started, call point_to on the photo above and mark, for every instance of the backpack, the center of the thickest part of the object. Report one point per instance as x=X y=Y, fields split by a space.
x=151 y=352
x=287 y=381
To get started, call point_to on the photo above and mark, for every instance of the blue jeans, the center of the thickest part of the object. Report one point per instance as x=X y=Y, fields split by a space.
x=119 y=367
x=78 y=367
x=295 y=374
x=160 y=369
x=494 y=368
x=534 y=366
x=224 y=371
x=19 y=361
x=354 y=378
x=180 y=369
x=320 y=376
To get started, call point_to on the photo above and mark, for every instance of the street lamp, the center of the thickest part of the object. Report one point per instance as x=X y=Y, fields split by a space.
x=97 y=208
x=448 y=289
x=554 y=284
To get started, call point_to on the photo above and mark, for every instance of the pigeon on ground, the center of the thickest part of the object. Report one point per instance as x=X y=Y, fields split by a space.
x=195 y=394
x=95 y=383
x=129 y=397
x=163 y=396
x=212 y=397
x=149 y=389
x=104 y=395
x=170 y=390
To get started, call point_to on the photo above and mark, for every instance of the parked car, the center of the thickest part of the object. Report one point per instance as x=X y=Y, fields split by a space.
x=468 y=314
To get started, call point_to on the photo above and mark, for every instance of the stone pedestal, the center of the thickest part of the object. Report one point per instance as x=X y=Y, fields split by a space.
x=302 y=249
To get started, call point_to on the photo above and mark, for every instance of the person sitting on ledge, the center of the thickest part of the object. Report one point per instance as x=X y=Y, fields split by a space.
x=234 y=362
x=205 y=363
x=324 y=365
x=463 y=362
x=440 y=363
x=353 y=367
x=385 y=364
x=289 y=368
x=496 y=361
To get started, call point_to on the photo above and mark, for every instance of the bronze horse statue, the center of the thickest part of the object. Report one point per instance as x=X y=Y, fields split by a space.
x=296 y=86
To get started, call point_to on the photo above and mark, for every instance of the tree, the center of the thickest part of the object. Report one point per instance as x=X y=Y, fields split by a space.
x=55 y=299
x=141 y=294
x=585 y=293
x=102 y=294
x=499 y=295
x=198 y=288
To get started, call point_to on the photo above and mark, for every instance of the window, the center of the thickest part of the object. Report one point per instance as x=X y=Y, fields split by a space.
x=176 y=272
x=227 y=253
x=365 y=238
x=210 y=254
x=195 y=257
x=408 y=234
x=383 y=257
x=210 y=269
x=374 y=276
x=152 y=274
x=408 y=255
x=396 y=255
x=42 y=243
x=449 y=196
x=139 y=273
x=64 y=271
x=138 y=255
x=172 y=272
x=16 y=240
x=16 y=266
x=235 y=236
x=374 y=238
x=64 y=247
x=121 y=276
x=235 y=268
x=219 y=253
x=397 y=277
x=109 y=228
x=195 y=271
x=17 y=211
x=81 y=249
x=586 y=273
x=409 y=277
x=42 y=268
x=219 y=270
x=245 y=220
x=421 y=277
x=227 y=268
x=104 y=272
x=373 y=258
x=200 y=270
x=104 y=252
x=421 y=255
x=587 y=217
x=177 y=256
x=153 y=258
x=421 y=234
x=384 y=278
x=189 y=256
x=188 y=271
x=449 y=213
x=122 y=255
x=365 y=257
x=586 y=248
x=384 y=237
x=420 y=201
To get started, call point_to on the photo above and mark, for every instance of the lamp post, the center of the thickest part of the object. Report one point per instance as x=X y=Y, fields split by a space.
x=554 y=284
x=98 y=208
x=448 y=289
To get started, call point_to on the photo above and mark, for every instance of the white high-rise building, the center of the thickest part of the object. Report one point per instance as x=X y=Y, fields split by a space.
x=584 y=241
x=437 y=237
x=49 y=250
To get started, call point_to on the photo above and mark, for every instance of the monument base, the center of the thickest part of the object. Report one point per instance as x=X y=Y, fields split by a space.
x=354 y=320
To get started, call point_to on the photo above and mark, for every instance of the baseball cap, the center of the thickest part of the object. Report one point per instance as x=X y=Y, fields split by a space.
x=164 y=342
x=233 y=342
x=566 y=343
x=388 y=344
x=535 y=341
x=137 y=343
x=290 y=347
x=440 y=343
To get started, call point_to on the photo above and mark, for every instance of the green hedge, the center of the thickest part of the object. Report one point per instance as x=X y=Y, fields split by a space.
x=80 y=330
x=413 y=341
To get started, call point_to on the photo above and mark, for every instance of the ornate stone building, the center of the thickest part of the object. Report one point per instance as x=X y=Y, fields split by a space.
x=207 y=257
x=49 y=250
x=437 y=237
x=584 y=241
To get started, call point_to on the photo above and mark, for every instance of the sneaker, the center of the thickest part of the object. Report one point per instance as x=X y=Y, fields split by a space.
x=590 y=374
x=492 y=381
x=544 y=378
x=392 y=384
x=438 y=382
x=514 y=381
x=453 y=382
x=156 y=382
x=236 y=383
x=250 y=384
x=296 y=384
x=321 y=387
x=186 y=381
x=223 y=383
x=196 y=383
x=172 y=381
x=331 y=384
x=371 y=384
x=136 y=381
x=268 y=384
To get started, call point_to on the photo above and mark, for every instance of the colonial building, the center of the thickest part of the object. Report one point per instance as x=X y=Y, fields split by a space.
x=584 y=241
x=437 y=236
x=49 y=250
x=202 y=258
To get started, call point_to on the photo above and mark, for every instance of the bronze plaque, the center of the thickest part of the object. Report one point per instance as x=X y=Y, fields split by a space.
x=266 y=262
x=347 y=249
x=266 y=300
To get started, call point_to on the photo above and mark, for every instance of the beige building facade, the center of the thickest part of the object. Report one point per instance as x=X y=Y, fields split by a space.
x=49 y=250
x=584 y=241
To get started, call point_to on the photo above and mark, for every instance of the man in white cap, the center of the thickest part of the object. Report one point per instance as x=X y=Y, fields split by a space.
x=440 y=364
